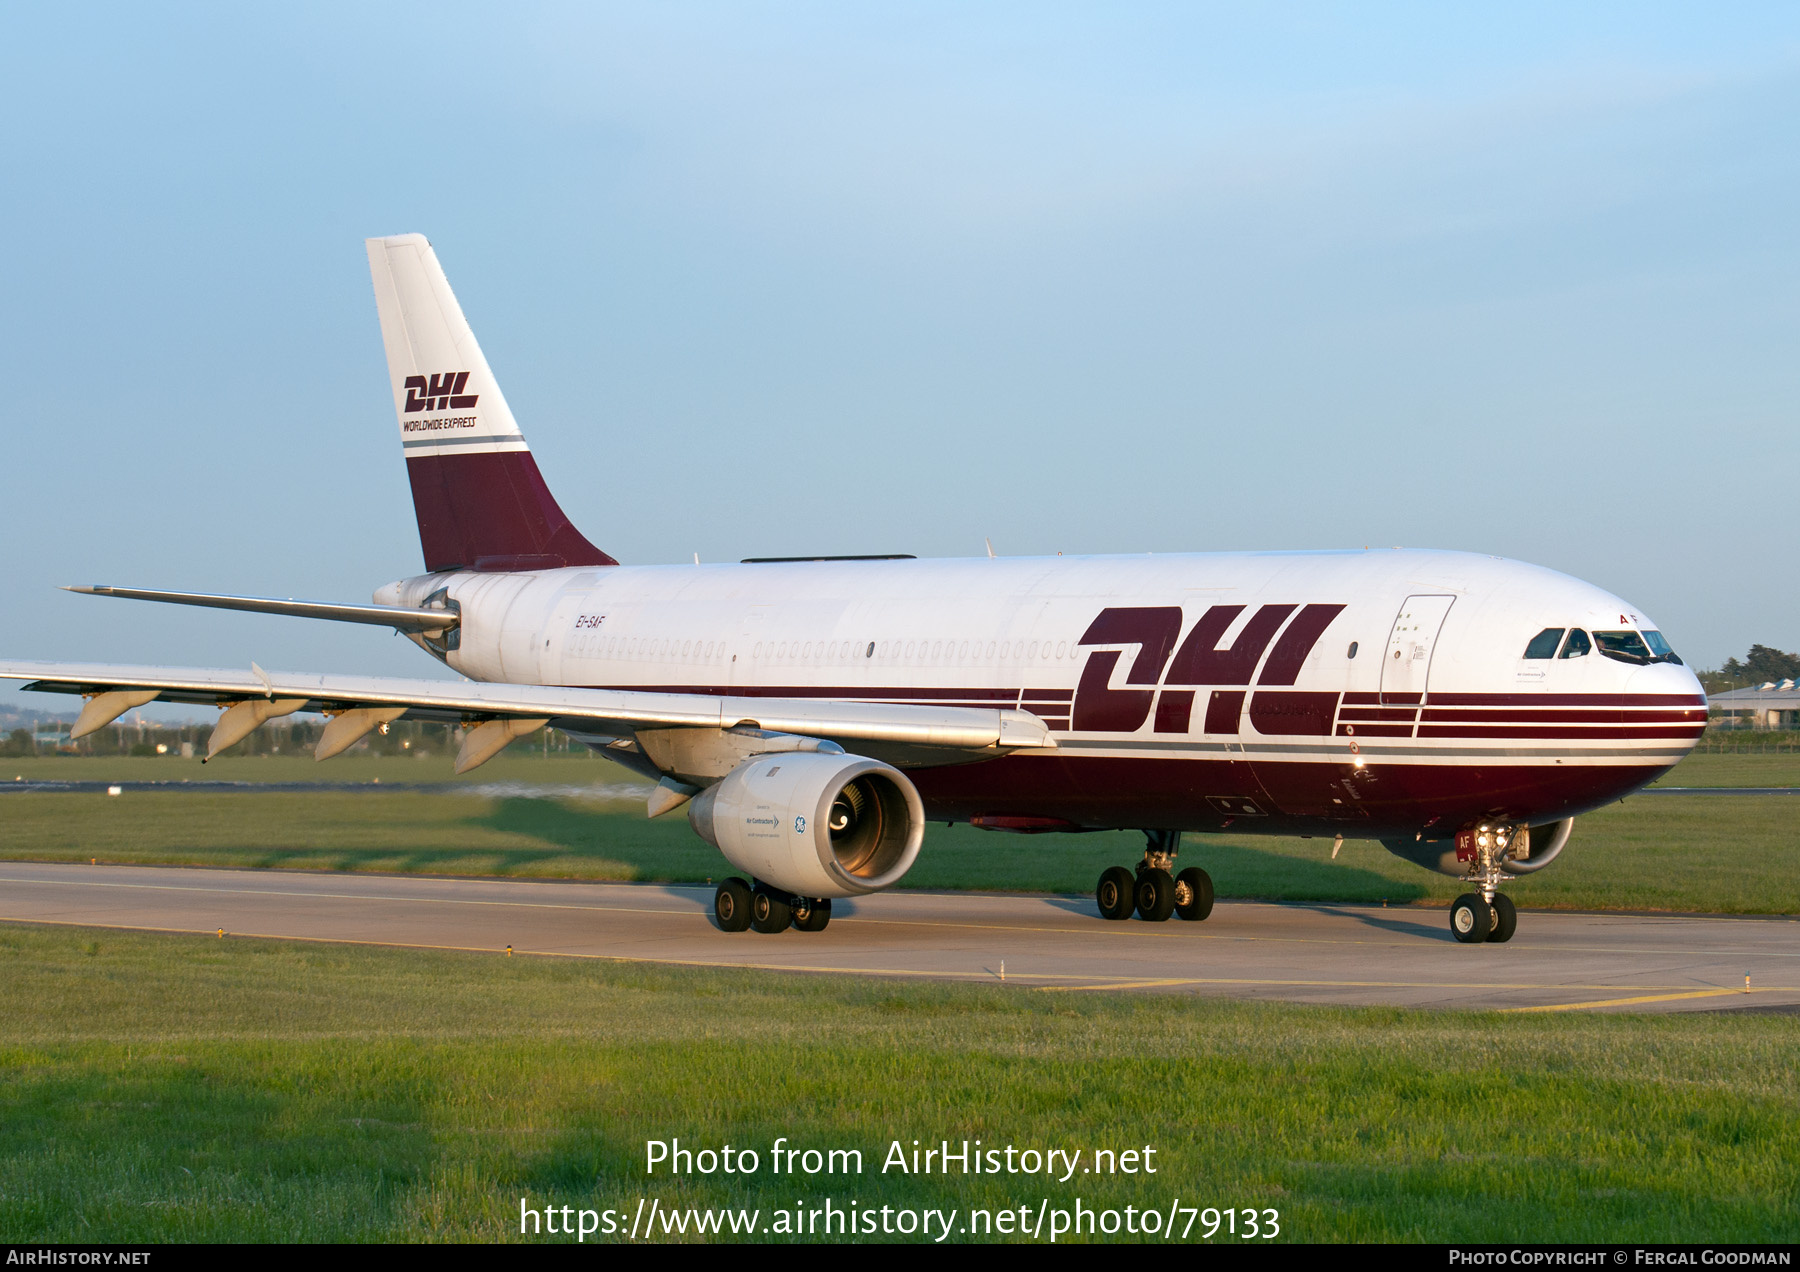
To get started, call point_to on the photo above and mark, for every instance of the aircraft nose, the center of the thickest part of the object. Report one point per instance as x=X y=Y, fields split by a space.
x=1662 y=678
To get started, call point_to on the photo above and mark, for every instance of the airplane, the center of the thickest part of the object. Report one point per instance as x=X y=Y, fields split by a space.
x=814 y=714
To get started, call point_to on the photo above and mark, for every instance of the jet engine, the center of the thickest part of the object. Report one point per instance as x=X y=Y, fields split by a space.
x=813 y=823
x=1529 y=851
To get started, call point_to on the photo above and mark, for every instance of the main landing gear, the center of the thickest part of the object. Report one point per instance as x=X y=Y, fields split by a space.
x=1155 y=891
x=1485 y=915
x=738 y=905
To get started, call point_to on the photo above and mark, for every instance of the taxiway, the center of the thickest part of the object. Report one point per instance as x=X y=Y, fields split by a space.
x=1331 y=954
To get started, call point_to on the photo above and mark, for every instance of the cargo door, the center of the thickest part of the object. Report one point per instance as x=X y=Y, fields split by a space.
x=1406 y=667
x=1233 y=792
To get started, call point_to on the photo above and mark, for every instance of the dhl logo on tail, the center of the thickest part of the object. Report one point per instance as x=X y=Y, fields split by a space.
x=441 y=393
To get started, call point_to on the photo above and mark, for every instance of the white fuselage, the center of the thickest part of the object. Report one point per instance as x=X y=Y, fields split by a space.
x=1359 y=692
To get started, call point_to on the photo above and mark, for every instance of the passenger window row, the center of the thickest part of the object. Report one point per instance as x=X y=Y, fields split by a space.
x=596 y=645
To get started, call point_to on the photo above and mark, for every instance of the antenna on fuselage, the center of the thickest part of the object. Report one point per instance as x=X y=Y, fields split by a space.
x=990 y=548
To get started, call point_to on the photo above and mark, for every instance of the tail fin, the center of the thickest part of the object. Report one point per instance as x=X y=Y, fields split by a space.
x=477 y=492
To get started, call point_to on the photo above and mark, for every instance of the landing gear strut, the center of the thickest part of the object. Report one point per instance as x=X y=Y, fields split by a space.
x=738 y=904
x=1485 y=915
x=1155 y=891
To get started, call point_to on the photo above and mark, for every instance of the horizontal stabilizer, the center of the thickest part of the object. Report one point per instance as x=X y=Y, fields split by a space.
x=406 y=620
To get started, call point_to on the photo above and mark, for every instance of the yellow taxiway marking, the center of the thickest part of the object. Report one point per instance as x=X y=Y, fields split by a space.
x=1459 y=986
x=1646 y=998
x=1168 y=981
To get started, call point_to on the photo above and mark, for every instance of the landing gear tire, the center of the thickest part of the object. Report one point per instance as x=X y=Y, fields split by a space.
x=1154 y=894
x=1193 y=894
x=1506 y=919
x=731 y=905
x=811 y=914
x=769 y=911
x=1113 y=893
x=1471 y=919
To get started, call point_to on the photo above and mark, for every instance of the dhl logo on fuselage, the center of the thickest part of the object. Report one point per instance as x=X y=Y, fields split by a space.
x=1199 y=661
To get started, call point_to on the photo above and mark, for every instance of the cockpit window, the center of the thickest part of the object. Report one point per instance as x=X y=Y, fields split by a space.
x=1544 y=644
x=1623 y=646
x=1660 y=647
x=1577 y=645
x=1634 y=647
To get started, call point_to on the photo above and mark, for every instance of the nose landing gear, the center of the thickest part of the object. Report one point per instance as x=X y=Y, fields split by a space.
x=1485 y=915
x=1155 y=892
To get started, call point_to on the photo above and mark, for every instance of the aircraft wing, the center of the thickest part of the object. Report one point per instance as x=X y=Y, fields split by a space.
x=257 y=695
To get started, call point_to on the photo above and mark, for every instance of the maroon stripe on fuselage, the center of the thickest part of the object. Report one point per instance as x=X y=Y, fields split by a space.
x=1302 y=798
x=1297 y=714
x=1567 y=700
x=492 y=511
x=1560 y=731
x=1561 y=717
x=1282 y=713
x=1047 y=696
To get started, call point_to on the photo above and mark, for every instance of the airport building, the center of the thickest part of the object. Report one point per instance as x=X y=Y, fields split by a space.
x=1774 y=704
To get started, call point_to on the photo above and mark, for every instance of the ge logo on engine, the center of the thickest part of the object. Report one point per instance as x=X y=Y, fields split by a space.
x=799 y=825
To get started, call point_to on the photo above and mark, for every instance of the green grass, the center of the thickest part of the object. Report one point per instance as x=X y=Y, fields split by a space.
x=1668 y=852
x=188 y=1089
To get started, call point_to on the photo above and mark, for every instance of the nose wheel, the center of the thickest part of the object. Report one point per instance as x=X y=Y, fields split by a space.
x=1471 y=919
x=1474 y=920
x=1485 y=915
x=1506 y=919
x=1154 y=892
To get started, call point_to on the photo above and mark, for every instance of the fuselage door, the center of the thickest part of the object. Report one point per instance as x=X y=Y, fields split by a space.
x=567 y=643
x=744 y=659
x=1407 y=664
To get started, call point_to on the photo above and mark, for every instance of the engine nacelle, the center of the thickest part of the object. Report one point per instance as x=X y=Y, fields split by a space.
x=815 y=824
x=1530 y=850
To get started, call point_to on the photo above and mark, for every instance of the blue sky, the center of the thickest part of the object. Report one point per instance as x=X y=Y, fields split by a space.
x=791 y=278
